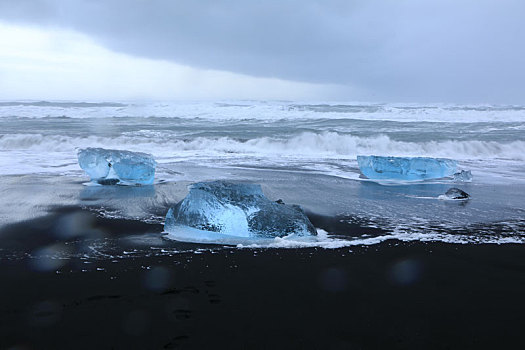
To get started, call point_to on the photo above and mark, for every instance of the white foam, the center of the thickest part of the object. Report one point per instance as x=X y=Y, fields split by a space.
x=306 y=145
x=327 y=153
x=272 y=110
x=325 y=241
x=447 y=198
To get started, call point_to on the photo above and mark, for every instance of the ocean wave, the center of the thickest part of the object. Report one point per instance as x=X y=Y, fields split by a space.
x=305 y=145
x=266 y=110
x=375 y=108
x=60 y=104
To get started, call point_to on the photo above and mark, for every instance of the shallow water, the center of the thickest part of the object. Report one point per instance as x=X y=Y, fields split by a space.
x=302 y=153
x=68 y=218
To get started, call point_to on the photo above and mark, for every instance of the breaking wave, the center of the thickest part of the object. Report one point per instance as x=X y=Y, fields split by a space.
x=305 y=145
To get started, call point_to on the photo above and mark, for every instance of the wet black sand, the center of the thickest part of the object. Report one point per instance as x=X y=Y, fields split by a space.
x=392 y=295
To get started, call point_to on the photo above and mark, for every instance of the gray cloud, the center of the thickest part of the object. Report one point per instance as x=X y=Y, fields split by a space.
x=410 y=50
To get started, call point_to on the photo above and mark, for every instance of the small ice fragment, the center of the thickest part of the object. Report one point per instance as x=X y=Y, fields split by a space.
x=463 y=176
x=405 y=168
x=111 y=167
x=216 y=210
x=455 y=194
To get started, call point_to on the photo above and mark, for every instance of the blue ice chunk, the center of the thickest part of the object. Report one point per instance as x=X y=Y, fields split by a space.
x=110 y=167
x=220 y=210
x=405 y=168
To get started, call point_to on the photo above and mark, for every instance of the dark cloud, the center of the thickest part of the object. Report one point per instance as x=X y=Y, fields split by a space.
x=411 y=50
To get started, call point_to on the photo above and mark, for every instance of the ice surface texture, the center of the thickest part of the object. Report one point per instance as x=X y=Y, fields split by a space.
x=401 y=168
x=110 y=167
x=463 y=176
x=219 y=209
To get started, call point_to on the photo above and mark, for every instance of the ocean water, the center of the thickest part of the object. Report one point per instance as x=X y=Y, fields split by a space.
x=303 y=153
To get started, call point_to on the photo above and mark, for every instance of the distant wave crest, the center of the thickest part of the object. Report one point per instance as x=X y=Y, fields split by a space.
x=60 y=104
x=264 y=110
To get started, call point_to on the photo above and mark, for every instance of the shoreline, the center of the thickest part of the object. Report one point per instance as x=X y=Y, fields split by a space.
x=121 y=285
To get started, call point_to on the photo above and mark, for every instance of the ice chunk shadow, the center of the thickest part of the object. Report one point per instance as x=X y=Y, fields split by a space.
x=101 y=192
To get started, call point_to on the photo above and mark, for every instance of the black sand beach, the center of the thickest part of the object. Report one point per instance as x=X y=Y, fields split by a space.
x=391 y=295
x=262 y=175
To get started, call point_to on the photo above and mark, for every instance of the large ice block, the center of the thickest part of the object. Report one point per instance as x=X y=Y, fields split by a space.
x=405 y=168
x=219 y=209
x=109 y=167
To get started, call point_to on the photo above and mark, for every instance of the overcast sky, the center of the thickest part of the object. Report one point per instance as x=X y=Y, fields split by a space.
x=391 y=50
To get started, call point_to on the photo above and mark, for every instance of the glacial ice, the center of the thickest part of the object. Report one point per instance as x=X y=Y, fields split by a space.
x=405 y=168
x=219 y=210
x=455 y=194
x=111 y=167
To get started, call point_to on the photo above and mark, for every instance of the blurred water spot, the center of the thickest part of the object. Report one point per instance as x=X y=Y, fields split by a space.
x=48 y=258
x=78 y=224
x=405 y=272
x=157 y=278
x=333 y=280
x=45 y=314
x=136 y=322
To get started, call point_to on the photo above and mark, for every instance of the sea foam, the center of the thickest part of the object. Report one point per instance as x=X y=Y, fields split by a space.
x=307 y=145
